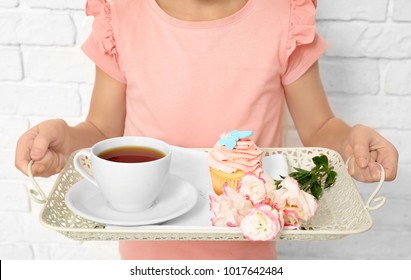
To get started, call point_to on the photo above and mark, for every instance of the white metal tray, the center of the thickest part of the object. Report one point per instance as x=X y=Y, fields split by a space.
x=341 y=210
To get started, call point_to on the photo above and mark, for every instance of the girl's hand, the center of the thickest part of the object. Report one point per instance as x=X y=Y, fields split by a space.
x=366 y=147
x=51 y=142
x=46 y=144
x=318 y=127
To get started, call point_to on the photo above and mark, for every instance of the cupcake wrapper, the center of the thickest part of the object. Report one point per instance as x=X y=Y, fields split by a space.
x=218 y=181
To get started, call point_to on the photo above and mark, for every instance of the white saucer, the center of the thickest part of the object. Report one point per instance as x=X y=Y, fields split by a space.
x=177 y=198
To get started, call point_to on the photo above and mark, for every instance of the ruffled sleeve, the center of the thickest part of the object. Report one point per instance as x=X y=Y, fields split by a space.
x=304 y=47
x=101 y=44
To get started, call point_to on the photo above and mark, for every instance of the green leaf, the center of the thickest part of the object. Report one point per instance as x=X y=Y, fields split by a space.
x=330 y=180
x=316 y=190
x=311 y=180
x=300 y=170
x=321 y=161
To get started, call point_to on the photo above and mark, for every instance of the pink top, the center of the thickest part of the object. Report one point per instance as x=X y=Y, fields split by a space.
x=190 y=81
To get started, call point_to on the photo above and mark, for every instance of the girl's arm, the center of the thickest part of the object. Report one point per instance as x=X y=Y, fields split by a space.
x=317 y=126
x=51 y=142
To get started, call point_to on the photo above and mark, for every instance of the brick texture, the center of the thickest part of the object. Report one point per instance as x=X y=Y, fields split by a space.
x=9 y=3
x=397 y=79
x=11 y=67
x=402 y=10
x=369 y=10
x=365 y=39
x=43 y=74
x=68 y=65
x=55 y=4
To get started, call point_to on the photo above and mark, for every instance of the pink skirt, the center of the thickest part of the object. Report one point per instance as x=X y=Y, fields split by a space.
x=197 y=250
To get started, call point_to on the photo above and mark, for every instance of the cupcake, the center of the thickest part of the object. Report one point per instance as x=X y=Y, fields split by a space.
x=234 y=155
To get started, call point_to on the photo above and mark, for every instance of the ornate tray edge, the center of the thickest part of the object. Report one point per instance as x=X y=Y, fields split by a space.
x=100 y=233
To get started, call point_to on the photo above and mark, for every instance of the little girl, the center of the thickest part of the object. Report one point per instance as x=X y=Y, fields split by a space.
x=185 y=71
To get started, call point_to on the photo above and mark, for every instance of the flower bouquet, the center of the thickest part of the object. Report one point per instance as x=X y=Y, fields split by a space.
x=262 y=207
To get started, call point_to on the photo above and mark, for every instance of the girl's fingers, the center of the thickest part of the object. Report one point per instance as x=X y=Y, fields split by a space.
x=22 y=156
x=361 y=147
x=49 y=165
x=35 y=145
x=40 y=146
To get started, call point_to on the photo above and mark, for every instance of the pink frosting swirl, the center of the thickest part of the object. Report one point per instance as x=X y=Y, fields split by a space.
x=245 y=156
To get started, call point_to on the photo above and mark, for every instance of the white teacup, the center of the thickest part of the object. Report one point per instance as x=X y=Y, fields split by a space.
x=127 y=186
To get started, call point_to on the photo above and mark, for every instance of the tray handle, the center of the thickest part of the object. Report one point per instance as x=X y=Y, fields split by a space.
x=36 y=194
x=373 y=199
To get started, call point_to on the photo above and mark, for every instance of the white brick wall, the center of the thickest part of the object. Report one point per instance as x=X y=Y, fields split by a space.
x=366 y=72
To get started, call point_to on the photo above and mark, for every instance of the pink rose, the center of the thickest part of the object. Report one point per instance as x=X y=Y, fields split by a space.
x=253 y=188
x=262 y=223
x=268 y=184
x=258 y=187
x=291 y=218
x=292 y=198
x=229 y=208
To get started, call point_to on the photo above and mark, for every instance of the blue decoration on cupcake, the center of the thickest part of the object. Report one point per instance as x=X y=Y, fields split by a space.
x=230 y=140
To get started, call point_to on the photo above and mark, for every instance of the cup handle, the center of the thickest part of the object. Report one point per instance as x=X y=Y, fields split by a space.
x=79 y=163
